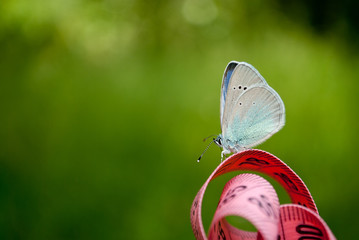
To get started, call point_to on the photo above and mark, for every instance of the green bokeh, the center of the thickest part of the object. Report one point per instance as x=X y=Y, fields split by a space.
x=104 y=105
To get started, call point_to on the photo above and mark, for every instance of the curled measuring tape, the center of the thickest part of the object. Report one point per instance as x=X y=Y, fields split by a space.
x=252 y=197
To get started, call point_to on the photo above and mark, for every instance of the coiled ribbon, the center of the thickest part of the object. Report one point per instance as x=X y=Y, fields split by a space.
x=254 y=198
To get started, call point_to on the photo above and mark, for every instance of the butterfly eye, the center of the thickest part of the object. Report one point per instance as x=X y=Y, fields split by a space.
x=218 y=141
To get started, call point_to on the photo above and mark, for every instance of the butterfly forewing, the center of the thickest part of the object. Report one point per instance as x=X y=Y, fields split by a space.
x=243 y=77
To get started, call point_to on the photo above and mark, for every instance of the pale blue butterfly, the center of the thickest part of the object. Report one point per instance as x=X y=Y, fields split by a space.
x=251 y=111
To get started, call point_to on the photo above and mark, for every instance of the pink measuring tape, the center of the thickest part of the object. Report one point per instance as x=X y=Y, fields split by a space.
x=254 y=198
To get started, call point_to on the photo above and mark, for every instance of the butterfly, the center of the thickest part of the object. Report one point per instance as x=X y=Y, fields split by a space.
x=250 y=110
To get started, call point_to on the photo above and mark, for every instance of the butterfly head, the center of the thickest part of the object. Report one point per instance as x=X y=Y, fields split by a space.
x=218 y=140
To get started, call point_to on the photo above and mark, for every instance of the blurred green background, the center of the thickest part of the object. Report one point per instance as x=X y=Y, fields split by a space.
x=104 y=105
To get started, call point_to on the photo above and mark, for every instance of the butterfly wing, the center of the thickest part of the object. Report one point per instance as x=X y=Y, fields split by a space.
x=253 y=111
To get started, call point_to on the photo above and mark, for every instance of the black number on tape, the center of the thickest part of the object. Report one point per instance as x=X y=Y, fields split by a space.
x=196 y=233
x=232 y=193
x=195 y=207
x=220 y=232
x=264 y=205
x=254 y=161
x=287 y=180
x=302 y=204
x=308 y=230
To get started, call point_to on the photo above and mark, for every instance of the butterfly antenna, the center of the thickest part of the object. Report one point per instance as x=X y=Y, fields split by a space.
x=209 y=137
x=205 y=150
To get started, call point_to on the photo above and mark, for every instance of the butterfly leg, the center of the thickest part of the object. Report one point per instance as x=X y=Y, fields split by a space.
x=223 y=153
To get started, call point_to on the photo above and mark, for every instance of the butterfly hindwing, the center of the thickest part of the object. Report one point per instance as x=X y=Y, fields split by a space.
x=259 y=114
